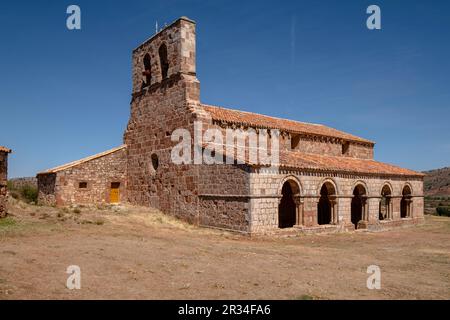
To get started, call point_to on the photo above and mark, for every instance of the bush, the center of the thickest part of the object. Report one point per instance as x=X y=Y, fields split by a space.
x=443 y=211
x=25 y=192
x=30 y=193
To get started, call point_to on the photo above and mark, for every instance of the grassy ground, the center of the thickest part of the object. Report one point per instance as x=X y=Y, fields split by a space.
x=139 y=253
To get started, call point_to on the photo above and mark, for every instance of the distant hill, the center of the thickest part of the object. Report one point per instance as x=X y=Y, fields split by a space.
x=17 y=183
x=437 y=182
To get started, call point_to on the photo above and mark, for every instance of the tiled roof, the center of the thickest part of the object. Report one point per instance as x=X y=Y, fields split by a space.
x=324 y=163
x=3 y=149
x=81 y=161
x=262 y=121
x=319 y=162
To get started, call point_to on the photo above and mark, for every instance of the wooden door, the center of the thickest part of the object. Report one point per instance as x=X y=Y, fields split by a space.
x=114 y=195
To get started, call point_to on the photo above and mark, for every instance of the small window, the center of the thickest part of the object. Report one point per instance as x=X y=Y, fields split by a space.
x=155 y=162
x=147 y=71
x=345 y=147
x=82 y=185
x=295 y=140
x=164 y=62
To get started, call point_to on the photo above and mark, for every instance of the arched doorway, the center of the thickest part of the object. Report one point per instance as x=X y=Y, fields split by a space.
x=385 y=211
x=405 y=203
x=358 y=205
x=326 y=205
x=289 y=205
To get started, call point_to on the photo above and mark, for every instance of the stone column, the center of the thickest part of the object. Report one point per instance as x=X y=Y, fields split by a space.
x=365 y=212
x=298 y=211
x=409 y=208
x=334 y=218
x=388 y=208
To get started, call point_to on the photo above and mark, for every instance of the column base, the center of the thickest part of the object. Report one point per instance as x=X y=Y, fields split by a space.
x=363 y=224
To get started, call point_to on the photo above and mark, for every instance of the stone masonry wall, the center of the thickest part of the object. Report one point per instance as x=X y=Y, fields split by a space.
x=330 y=147
x=223 y=192
x=46 y=189
x=156 y=111
x=98 y=173
x=3 y=183
x=266 y=192
x=360 y=151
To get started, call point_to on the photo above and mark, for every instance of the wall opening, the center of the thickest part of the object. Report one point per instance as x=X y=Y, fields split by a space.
x=147 y=71
x=82 y=185
x=358 y=205
x=345 y=148
x=326 y=205
x=385 y=211
x=288 y=207
x=295 y=140
x=163 y=60
x=405 y=203
x=155 y=161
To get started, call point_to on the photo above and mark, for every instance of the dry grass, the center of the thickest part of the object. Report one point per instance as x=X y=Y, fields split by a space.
x=128 y=252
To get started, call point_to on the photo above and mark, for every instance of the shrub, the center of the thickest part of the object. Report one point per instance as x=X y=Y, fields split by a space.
x=443 y=211
x=29 y=193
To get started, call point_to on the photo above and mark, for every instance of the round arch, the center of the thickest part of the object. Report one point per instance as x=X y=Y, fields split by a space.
x=289 y=210
x=406 y=201
x=359 y=184
x=407 y=189
x=295 y=184
x=326 y=206
x=331 y=186
x=358 y=205
x=385 y=206
x=384 y=185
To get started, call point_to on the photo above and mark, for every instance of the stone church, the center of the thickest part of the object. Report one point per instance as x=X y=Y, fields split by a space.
x=324 y=180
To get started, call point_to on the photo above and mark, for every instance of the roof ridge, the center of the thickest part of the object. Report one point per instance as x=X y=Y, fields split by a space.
x=265 y=115
x=83 y=160
x=332 y=132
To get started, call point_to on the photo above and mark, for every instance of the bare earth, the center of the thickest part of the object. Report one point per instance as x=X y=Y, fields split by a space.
x=138 y=253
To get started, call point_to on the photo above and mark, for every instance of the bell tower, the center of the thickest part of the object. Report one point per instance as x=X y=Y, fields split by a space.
x=165 y=97
x=168 y=54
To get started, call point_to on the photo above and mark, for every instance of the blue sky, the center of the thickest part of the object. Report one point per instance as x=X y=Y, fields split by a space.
x=65 y=94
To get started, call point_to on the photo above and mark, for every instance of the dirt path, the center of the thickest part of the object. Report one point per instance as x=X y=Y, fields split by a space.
x=140 y=254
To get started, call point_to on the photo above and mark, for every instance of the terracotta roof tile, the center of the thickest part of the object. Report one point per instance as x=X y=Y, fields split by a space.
x=324 y=163
x=341 y=164
x=262 y=121
x=81 y=161
x=3 y=149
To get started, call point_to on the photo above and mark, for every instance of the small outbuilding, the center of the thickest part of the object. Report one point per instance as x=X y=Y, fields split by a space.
x=98 y=179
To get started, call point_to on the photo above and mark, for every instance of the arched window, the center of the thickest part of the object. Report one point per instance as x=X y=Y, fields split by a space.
x=155 y=161
x=385 y=210
x=289 y=207
x=358 y=206
x=326 y=207
x=147 y=70
x=405 y=203
x=164 y=62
